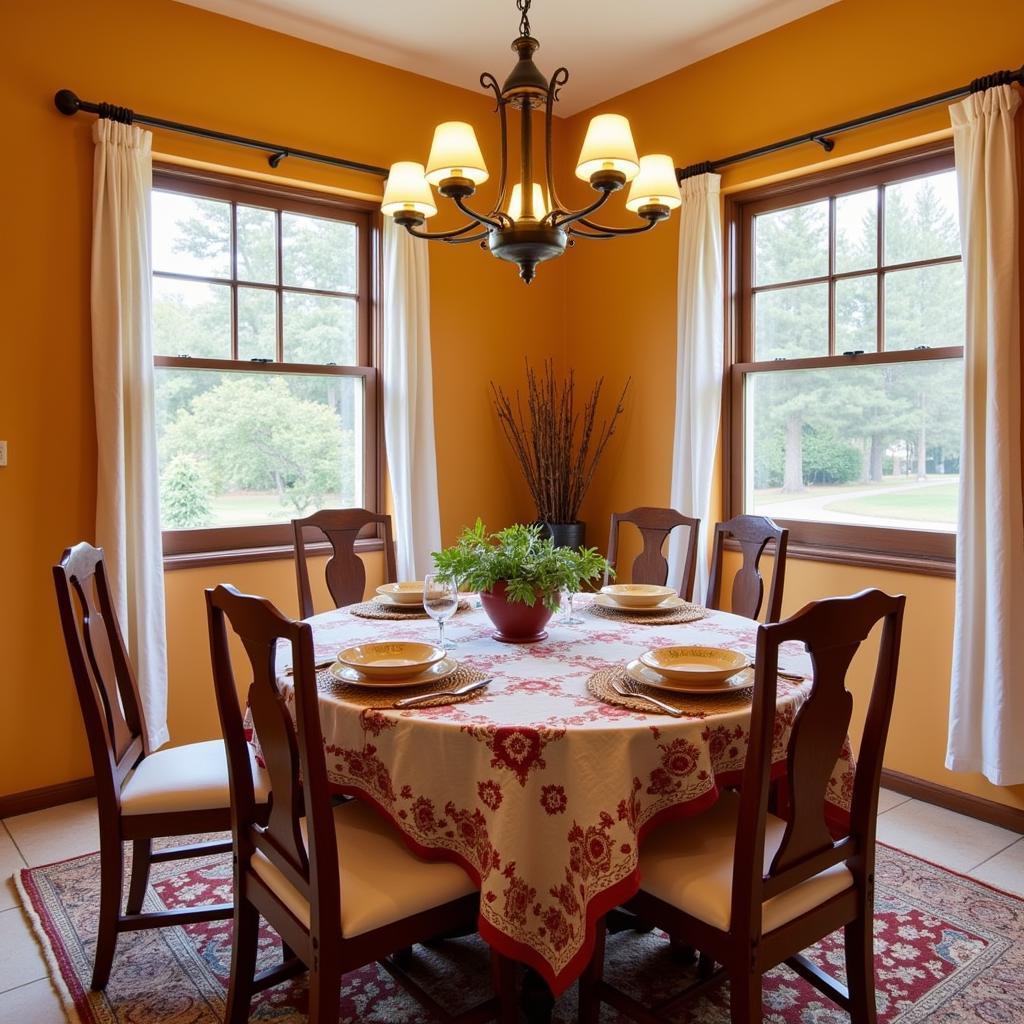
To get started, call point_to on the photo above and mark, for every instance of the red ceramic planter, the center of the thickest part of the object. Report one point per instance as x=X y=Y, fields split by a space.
x=517 y=623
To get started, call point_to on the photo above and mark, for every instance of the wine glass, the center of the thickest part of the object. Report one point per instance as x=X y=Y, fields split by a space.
x=440 y=601
x=568 y=619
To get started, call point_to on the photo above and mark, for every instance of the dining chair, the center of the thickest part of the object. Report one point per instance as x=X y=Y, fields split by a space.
x=140 y=796
x=336 y=883
x=751 y=890
x=655 y=525
x=753 y=534
x=346 y=576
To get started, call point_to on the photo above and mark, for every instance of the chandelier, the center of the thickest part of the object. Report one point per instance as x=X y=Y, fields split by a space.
x=530 y=224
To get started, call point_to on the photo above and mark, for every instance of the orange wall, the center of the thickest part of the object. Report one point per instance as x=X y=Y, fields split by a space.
x=844 y=61
x=175 y=61
x=172 y=60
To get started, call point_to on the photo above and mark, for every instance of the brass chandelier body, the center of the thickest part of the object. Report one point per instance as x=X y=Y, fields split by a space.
x=529 y=224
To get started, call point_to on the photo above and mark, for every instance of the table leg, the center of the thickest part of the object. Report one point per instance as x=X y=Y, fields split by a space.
x=536 y=999
x=620 y=920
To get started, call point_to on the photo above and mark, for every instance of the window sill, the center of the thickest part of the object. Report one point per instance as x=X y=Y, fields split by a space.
x=236 y=556
x=920 y=565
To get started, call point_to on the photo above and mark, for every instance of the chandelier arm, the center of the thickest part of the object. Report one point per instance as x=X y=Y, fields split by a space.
x=571 y=218
x=478 y=217
x=468 y=238
x=442 y=236
x=610 y=232
x=558 y=79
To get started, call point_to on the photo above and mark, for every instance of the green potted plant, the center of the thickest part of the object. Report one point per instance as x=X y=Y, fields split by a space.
x=519 y=574
x=557 y=445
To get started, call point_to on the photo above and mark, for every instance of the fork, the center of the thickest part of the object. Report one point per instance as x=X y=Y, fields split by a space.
x=632 y=689
x=408 y=702
x=790 y=677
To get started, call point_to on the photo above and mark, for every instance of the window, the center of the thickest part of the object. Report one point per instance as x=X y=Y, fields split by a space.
x=847 y=393
x=265 y=384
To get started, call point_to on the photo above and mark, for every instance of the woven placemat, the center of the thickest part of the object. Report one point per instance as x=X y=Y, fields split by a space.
x=684 y=613
x=366 y=698
x=599 y=685
x=376 y=610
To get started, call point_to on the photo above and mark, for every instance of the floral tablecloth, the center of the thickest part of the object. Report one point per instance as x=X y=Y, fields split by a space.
x=541 y=792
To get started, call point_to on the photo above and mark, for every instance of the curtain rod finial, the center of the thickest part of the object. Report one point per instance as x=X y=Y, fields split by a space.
x=67 y=102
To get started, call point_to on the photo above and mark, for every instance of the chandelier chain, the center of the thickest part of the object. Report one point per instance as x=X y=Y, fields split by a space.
x=524 y=21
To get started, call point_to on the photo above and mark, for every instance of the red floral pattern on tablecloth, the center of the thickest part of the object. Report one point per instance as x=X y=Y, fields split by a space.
x=540 y=791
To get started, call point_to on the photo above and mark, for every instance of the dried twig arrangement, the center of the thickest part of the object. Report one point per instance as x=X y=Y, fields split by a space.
x=557 y=445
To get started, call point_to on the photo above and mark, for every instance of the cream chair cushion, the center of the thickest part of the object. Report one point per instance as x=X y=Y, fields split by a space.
x=193 y=777
x=689 y=864
x=381 y=881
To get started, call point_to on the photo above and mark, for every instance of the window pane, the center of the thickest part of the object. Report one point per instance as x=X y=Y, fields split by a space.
x=257 y=323
x=856 y=314
x=924 y=306
x=790 y=245
x=191 y=318
x=257 y=245
x=922 y=219
x=856 y=231
x=860 y=445
x=191 y=235
x=319 y=253
x=791 y=323
x=310 y=454
x=320 y=329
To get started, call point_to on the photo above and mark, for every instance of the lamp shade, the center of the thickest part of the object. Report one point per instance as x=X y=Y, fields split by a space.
x=655 y=185
x=608 y=147
x=455 y=153
x=407 y=191
x=515 y=204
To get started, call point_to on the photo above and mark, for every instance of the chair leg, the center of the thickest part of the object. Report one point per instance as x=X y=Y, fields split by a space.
x=860 y=969
x=243 y=962
x=745 y=997
x=111 y=880
x=503 y=980
x=590 y=1001
x=142 y=849
x=324 y=994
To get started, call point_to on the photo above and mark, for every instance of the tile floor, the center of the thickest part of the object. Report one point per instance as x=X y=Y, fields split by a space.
x=991 y=854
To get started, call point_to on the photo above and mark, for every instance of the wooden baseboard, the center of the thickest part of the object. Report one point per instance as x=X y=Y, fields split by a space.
x=953 y=800
x=46 y=796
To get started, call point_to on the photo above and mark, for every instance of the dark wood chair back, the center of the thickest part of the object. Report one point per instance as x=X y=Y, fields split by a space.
x=753 y=534
x=346 y=577
x=293 y=754
x=832 y=631
x=655 y=525
x=104 y=680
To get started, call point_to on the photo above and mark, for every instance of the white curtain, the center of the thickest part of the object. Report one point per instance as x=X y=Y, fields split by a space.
x=409 y=401
x=987 y=699
x=127 y=494
x=699 y=353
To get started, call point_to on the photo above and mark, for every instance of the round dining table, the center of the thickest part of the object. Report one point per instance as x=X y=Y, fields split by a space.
x=542 y=792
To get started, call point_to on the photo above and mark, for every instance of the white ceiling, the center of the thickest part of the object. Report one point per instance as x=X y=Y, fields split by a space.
x=607 y=48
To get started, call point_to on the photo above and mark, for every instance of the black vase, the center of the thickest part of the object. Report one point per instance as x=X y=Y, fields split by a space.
x=567 y=535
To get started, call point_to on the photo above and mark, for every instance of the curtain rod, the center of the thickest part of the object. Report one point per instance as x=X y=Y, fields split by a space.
x=823 y=136
x=68 y=103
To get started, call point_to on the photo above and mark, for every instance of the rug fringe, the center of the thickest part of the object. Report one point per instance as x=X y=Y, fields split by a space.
x=49 y=955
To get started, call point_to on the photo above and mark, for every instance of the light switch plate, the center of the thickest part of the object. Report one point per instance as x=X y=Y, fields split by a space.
x=3 y=453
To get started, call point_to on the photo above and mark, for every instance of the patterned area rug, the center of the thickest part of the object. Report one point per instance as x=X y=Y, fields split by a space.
x=949 y=950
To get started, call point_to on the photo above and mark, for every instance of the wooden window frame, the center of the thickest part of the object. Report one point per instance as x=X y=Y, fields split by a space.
x=921 y=551
x=217 y=545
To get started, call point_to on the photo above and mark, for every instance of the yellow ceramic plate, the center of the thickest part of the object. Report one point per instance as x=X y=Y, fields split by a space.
x=409 y=592
x=392 y=659
x=637 y=670
x=694 y=664
x=668 y=605
x=438 y=671
x=637 y=595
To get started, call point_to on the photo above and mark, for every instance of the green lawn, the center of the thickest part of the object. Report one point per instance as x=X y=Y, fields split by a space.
x=932 y=504
x=253 y=508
